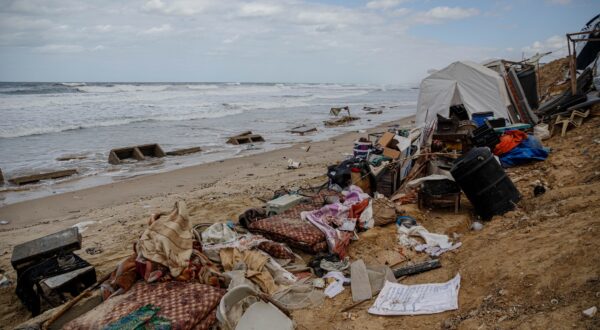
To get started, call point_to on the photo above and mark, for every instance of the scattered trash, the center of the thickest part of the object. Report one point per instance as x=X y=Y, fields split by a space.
x=590 y=312
x=94 y=250
x=418 y=268
x=337 y=286
x=538 y=190
x=4 y=281
x=435 y=244
x=319 y=283
x=477 y=226
x=82 y=226
x=293 y=164
x=4 y=222
x=400 y=299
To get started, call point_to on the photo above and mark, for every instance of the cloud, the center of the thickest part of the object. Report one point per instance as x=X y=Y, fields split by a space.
x=178 y=7
x=383 y=4
x=556 y=44
x=438 y=15
x=158 y=29
x=257 y=9
x=59 y=49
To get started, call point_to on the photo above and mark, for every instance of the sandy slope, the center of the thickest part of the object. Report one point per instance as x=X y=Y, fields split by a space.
x=536 y=267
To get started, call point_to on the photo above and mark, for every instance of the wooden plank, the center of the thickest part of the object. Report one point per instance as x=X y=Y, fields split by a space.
x=185 y=151
x=360 y=285
x=41 y=176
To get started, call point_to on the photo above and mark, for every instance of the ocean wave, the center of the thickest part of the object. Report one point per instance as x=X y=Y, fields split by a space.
x=43 y=89
x=31 y=131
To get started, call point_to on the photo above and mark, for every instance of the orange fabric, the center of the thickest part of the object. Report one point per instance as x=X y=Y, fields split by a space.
x=508 y=141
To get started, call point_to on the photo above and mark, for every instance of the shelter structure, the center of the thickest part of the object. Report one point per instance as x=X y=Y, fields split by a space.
x=478 y=88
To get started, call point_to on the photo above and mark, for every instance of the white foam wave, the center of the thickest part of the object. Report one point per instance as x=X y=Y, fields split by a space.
x=28 y=131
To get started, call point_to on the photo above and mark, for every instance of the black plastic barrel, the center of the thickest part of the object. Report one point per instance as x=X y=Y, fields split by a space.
x=485 y=183
x=528 y=81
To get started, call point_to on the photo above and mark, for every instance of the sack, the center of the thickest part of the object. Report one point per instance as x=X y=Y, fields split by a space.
x=384 y=211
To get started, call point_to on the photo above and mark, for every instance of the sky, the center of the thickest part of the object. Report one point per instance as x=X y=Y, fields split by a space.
x=337 y=41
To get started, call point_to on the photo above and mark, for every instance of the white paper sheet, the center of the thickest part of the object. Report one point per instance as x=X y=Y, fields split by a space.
x=336 y=287
x=400 y=299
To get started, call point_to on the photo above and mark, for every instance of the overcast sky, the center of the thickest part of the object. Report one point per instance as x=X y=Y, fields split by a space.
x=347 y=41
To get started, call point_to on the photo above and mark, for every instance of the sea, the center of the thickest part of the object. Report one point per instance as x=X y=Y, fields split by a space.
x=40 y=123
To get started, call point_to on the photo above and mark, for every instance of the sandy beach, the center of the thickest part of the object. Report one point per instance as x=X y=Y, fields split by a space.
x=117 y=213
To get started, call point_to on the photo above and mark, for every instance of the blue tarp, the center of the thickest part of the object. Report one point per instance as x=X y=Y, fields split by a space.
x=528 y=150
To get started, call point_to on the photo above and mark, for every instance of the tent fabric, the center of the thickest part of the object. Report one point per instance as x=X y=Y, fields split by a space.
x=530 y=149
x=477 y=87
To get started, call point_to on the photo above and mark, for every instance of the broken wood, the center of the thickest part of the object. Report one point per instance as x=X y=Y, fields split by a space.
x=27 y=179
x=347 y=308
x=185 y=151
x=340 y=121
x=418 y=268
x=246 y=137
x=302 y=130
x=1 y=177
x=73 y=301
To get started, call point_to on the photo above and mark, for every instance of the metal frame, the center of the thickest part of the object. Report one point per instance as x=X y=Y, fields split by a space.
x=573 y=55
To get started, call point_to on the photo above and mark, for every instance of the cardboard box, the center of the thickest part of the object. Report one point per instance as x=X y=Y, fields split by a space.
x=387 y=139
x=392 y=153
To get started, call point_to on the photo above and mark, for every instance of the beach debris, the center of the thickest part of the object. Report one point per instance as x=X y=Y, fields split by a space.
x=318 y=283
x=116 y=156
x=359 y=281
x=336 y=111
x=283 y=203
x=4 y=222
x=590 y=312
x=184 y=151
x=400 y=299
x=418 y=268
x=539 y=189
x=94 y=250
x=82 y=226
x=476 y=226
x=4 y=281
x=340 y=121
x=70 y=157
x=50 y=261
x=337 y=285
x=292 y=165
x=302 y=129
x=1 y=177
x=244 y=138
x=33 y=178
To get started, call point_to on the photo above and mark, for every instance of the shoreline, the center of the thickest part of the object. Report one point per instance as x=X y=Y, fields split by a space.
x=179 y=181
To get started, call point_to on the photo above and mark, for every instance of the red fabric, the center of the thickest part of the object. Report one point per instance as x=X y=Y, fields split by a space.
x=508 y=141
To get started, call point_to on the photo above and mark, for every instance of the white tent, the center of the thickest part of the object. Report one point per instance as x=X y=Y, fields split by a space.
x=480 y=89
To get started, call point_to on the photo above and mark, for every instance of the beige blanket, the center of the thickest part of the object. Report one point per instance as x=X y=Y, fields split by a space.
x=168 y=240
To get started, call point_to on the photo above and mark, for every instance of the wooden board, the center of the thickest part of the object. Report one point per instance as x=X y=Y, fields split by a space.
x=185 y=151
x=41 y=176
x=360 y=285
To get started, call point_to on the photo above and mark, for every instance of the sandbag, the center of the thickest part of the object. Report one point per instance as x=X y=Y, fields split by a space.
x=384 y=211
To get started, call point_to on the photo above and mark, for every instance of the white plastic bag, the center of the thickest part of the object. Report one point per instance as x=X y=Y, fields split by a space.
x=541 y=131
